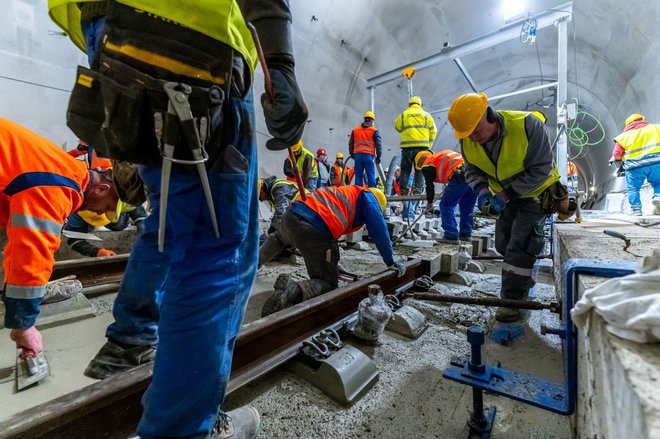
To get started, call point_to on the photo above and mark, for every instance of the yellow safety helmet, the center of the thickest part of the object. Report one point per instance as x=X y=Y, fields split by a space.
x=420 y=158
x=260 y=182
x=380 y=196
x=339 y=156
x=94 y=219
x=415 y=100
x=297 y=147
x=465 y=113
x=370 y=115
x=633 y=117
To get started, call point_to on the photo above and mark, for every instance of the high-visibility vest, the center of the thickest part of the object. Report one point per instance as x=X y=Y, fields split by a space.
x=416 y=127
x=337 y=175
x=314 y=173
x=444 y=163
x=641 y=145
x=571 y=169
x=397 y=187
x=511 y=160
x=348 y=175
x=219 y=19
x=363 y=140
x=336 y=205
x=291 y=184
x=41 y=186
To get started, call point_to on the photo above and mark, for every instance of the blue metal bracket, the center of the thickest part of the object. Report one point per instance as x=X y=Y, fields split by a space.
x=557 y=398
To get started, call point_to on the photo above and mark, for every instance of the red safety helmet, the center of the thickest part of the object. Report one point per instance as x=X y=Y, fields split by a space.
x=321 y=151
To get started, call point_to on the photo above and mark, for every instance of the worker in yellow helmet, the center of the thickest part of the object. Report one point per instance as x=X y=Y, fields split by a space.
x=337 y=170
x=189 y=300
x=313 y=227
x=509 y=164
x=306 y=164
x=637 y=151
x=366 y=147
x=418 y=132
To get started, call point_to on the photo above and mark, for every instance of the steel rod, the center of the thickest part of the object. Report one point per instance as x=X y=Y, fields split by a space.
x=484 y=301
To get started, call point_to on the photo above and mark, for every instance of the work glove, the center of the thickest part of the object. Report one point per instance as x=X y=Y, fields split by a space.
x=489 y=204
x=105 y=252
x=286 y=113
x=399 y=267
x=29 y=340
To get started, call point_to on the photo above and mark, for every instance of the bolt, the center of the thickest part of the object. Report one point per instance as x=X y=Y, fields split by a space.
x=475 y=335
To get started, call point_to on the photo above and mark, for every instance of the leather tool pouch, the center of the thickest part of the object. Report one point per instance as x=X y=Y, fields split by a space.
x=112 y=106
x=555 y=200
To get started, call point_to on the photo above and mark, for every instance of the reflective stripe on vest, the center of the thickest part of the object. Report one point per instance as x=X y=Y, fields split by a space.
x=363 y=140
x=511 y=160
x=293 y=184
x=314 y=173
x=641 y=145
x=444 y=162
x=336 y=206
x=415 y=126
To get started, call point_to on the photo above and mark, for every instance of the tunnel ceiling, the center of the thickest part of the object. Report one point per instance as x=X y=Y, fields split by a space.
x=340 y=44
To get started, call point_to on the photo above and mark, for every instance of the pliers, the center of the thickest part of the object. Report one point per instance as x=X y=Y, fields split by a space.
x=179 y=116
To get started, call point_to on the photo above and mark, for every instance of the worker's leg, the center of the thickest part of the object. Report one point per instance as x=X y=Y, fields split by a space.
x=653 y=176
x=466 y=207
x=359 y=160
x=205 y=291
x=407 y=157
x=448 y=203
x=634 y=181
x=93 y=33
x=276 y=242
x=369 y=170
x=525 y=244
x=320 y=252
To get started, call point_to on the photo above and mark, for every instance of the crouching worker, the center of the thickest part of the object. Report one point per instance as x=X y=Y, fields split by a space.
x=313 y=227
x=446 y=167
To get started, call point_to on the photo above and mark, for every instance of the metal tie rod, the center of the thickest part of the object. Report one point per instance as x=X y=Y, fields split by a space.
x=486 y=301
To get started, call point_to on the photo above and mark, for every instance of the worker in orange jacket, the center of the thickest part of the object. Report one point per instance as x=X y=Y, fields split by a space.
x=313 y=227
x=446 y=167
x=41 y=186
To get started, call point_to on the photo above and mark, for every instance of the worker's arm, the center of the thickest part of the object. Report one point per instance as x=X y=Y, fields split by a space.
x=282 y=195
x=398 y=123
x=538 y=161
x=288 y=168
x=429 y=176
x=37 y=216
x=433 y=131
x=372 y=216
x=617 y=152
x=475 y=177
x=351 y=143
x=307 y=165
x=76 y=224
x=378 y=143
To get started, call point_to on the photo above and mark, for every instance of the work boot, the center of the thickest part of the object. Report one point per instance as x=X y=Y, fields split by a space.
x=113 y=358
x=637 y=211
x=282 y=298
x=281 y=281
x=242 y=423
x=507 y=315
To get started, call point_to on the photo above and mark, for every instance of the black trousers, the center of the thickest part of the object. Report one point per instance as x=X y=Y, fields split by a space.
x=407 y=162
x=519 y=238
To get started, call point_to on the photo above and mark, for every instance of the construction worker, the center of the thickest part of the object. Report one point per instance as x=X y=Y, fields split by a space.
x=365 y=146
x=572 y=175
x=417 y=134
x=637 y=151
x=337 y=170
x=306 y=164
x=313 y=227
x=509 y=164
x=279 y=194
x=41 y=186
x=324 y=168
x=189 y=299
x=446 y=167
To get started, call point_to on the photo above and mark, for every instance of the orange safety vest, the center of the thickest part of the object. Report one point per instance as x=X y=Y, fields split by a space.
x=363 y=140
x=337 y=175
x=571 y=169
x=336 y=205
x=397 y=187
x=444 y=162
x=349 y=173
x=98 y=162
x=41 y=186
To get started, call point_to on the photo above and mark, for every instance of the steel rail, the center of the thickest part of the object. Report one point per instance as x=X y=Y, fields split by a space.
x=111 y=408
x=92 y=271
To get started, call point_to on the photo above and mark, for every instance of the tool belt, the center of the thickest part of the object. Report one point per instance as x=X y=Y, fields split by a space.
x=555 y=199
x=112 y=105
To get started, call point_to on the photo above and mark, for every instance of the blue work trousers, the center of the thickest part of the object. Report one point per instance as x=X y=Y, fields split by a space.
x=635 y=179
x=364 y=165
x=457 y=193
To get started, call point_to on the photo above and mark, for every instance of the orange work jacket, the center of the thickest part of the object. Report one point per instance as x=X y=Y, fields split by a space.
x=41 y=186
x=363 y=140
x=336 y=205
x=444 y=162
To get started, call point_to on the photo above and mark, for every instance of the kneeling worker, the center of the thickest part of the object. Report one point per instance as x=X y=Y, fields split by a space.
x=313 y=227
x=446 y=167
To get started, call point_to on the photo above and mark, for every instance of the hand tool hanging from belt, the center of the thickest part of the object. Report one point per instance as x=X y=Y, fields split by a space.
x=179 y=117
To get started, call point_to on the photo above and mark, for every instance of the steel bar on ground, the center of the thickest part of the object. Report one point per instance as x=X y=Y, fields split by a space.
x=261 y=346
x=92 y=271
x=485 y=301
x=406 y=198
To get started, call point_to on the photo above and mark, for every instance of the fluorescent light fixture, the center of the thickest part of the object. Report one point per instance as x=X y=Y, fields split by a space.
x=513 y=9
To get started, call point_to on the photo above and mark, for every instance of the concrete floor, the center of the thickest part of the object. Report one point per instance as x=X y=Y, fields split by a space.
x=410 y=398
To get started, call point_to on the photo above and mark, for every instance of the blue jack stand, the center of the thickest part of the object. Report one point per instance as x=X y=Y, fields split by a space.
x=557 y=398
